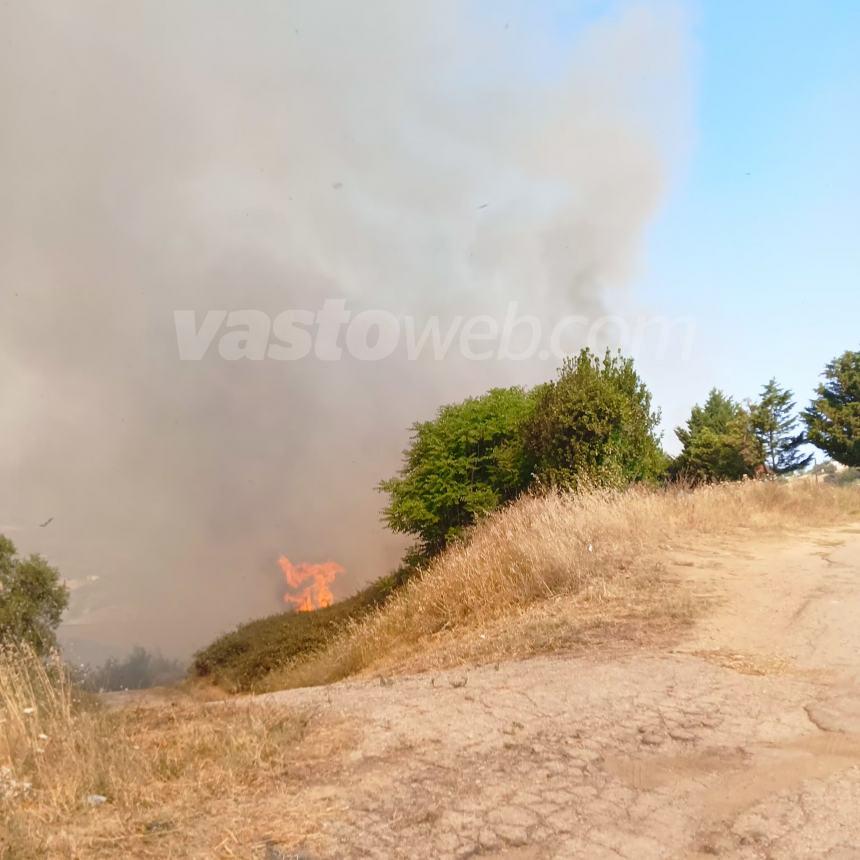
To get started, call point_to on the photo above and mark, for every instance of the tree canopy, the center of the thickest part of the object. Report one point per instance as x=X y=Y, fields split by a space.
x=32 y=599
x=462 y=464
x=719 y=443
x=833 y=417
x=775 y=424
x=594 y=424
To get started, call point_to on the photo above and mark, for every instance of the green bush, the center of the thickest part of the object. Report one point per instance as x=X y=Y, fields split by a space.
x=464 y=463
x=594 y=424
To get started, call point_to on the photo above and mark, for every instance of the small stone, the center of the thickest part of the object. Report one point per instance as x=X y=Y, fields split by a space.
x=488 y=840
x=11 y=787
x=448 y=841
x=513 y=816
x=681 y=735
x=652 y=739
x=590 y=755
x=512 y=835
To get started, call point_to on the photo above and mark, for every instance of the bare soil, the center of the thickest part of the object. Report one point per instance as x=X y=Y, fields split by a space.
x=742 y=739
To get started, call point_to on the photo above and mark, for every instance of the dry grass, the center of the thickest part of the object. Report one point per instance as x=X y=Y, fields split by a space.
x=186 y=781
x=210 y=780
x=549 y=571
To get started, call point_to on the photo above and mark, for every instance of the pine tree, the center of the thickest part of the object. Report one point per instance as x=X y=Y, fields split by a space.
x=833 y=417
x=775 y=425
x=718 y=442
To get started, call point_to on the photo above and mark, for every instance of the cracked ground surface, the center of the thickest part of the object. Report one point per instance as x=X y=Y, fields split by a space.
x=741 y=741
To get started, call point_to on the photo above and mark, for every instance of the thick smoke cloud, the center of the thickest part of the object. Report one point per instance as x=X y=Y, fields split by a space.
x=417 y=157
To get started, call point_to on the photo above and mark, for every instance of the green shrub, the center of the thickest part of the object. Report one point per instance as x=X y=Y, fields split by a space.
x=594 y=425
x=464 y=463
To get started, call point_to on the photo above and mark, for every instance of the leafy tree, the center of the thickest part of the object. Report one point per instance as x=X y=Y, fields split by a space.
x=719 y=443
x=464 y=463
x=833 y=417
x=32 y=598
x=594 y=424
x=775 y=425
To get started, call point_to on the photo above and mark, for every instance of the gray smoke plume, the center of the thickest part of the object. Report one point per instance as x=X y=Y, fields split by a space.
x=422 y=158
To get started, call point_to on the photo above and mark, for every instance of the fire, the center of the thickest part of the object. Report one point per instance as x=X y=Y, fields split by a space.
x=316 y=593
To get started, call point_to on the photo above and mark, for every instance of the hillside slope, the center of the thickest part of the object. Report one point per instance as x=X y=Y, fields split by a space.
x=555 y=572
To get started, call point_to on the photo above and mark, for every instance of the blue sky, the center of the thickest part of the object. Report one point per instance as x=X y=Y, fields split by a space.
x=758 y=237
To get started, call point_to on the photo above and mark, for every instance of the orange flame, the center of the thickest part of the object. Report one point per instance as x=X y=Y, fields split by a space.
x=316 y=594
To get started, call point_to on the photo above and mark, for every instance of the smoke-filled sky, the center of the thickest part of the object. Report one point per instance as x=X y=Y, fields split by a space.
x=442 y=158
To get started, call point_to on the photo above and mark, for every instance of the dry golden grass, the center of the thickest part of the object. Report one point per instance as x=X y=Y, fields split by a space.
x=549 y=571
x=186 y=781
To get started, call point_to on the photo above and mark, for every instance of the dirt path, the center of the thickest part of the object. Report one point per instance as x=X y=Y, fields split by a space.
x=743 y=741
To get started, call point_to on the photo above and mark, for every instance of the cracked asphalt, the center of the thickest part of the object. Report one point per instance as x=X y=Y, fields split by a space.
x=742 y=741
